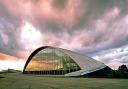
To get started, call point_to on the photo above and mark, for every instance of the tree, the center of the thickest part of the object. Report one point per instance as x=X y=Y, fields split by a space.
x=122 y=71
x=123 y=68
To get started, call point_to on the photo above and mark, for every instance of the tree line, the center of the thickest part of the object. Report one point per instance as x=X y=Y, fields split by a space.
x=121 y=72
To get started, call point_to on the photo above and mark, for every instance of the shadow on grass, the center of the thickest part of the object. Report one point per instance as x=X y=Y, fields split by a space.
x=95 y=88
x=2 y=77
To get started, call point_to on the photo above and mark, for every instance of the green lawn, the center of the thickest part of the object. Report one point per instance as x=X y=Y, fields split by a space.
x=19 y=81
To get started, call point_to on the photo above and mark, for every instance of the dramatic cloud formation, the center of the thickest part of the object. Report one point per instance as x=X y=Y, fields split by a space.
x=97 y=28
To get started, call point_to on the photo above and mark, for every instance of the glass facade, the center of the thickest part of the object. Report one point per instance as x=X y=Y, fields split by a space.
x=51 y=61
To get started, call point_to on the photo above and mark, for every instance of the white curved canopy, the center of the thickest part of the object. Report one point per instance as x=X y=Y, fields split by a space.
x=86 y=63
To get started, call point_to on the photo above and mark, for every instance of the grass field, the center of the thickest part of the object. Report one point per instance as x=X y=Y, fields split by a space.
x=19 y=81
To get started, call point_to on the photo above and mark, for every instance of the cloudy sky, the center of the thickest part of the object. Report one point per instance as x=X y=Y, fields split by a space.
x=96 y=28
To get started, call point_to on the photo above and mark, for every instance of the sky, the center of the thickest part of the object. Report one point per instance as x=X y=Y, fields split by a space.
x=96 y=28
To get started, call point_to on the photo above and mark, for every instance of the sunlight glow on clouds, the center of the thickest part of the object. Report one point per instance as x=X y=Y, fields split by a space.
x=7 y=61
x=12 y=64
x=30 y=36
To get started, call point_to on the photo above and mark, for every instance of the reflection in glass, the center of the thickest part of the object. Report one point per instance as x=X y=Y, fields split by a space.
x=50 y=61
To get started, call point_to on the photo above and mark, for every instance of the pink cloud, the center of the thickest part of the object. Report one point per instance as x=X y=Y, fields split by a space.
x=46 y=11
x=114 y=63
x=4 y=37
x=100 y=31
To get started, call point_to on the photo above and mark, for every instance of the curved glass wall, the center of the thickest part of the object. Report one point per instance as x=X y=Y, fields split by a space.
x=50 y=61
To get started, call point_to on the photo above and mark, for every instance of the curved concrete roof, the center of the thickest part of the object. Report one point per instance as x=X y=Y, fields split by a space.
x=87 y=64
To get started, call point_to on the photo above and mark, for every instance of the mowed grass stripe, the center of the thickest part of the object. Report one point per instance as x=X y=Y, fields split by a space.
x=20 y=81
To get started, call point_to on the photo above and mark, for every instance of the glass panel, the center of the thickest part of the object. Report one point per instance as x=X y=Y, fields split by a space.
x=51 y=62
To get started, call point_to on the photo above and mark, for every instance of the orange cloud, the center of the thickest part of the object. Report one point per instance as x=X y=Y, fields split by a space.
x=23 y=54
x=7 y=57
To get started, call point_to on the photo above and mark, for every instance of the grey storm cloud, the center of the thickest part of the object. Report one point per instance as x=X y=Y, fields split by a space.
x=113 y=57
x=8 y=29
